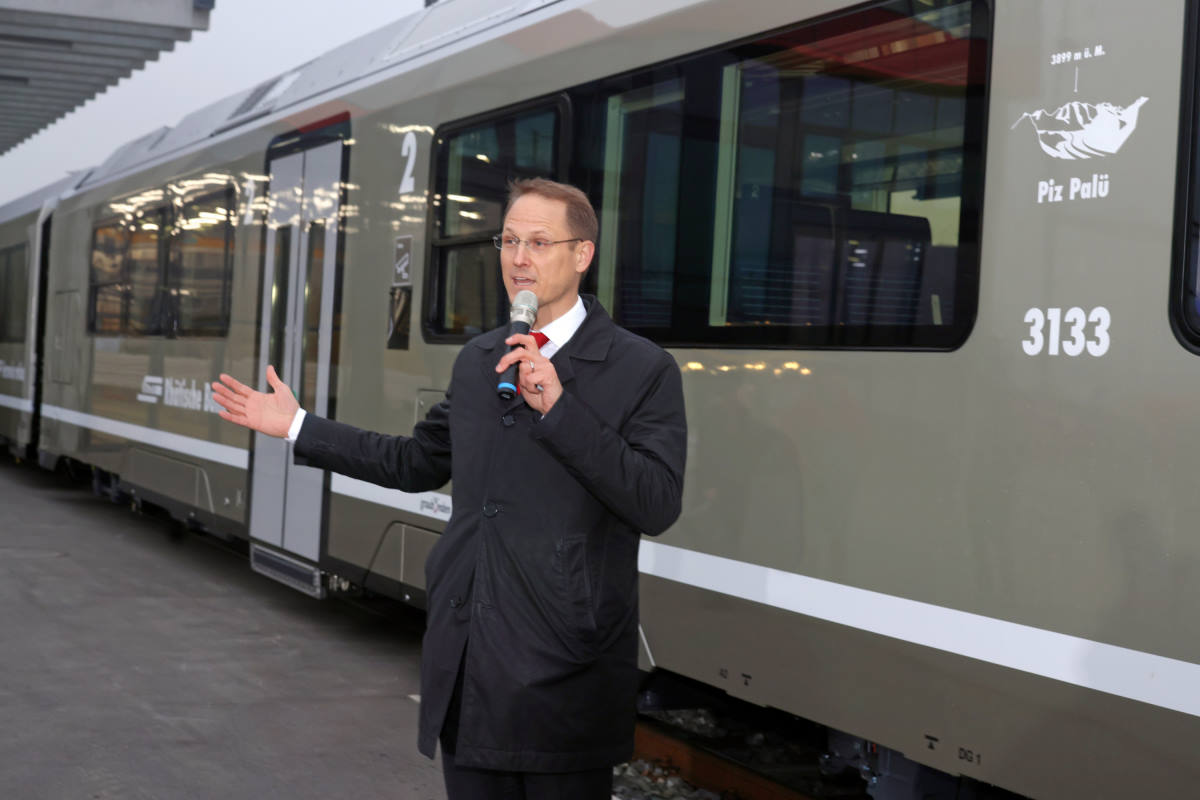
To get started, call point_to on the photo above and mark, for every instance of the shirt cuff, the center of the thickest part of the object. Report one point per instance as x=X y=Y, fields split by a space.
x=297 y=421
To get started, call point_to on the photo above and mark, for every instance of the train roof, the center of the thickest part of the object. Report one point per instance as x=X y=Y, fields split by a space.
x=33 y=201
x=381 y=50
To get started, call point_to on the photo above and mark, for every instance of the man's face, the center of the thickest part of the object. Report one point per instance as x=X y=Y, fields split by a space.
x=552 y=275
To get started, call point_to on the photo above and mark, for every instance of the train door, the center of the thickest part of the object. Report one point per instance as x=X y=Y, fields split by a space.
x=287 y=500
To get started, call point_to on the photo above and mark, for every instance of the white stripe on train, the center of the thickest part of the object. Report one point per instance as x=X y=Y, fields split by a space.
x=1145 y=677
x=210 y=451
x=18 y=403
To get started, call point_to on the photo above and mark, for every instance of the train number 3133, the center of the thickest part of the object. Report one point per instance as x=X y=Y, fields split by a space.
x=1072 y=332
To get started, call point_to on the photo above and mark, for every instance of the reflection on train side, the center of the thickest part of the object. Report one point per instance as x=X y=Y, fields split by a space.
x=787 y=367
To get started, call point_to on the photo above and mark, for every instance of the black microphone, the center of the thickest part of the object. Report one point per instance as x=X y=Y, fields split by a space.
x=520 y=320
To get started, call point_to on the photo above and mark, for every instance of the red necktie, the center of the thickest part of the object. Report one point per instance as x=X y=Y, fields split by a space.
x=541 y=340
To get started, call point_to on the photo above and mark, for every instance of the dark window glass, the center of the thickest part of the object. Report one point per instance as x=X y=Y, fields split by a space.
x=283 y=260
x=474 y=167
x=18 y=294
x=473 y=298
x=202 y=266
x=14 y=293
x=107 y=279
x=818 y=187
x=126 y=276
x=4 y=296
x=639 y=225
x=107 y=304
x=314 y=287
x=108 y=252
x=143 y=264
x=1185 y=296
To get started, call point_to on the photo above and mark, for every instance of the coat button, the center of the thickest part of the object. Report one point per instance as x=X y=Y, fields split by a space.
x=455 y=602
x=508 y=419
x=490 y=509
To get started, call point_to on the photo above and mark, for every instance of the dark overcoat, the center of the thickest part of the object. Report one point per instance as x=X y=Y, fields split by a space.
x=533 y=586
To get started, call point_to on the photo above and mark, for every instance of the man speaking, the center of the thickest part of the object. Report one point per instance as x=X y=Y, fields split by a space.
x=529 y=663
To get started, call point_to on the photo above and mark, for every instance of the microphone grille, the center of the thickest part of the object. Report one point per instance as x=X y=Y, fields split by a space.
x=524 y=307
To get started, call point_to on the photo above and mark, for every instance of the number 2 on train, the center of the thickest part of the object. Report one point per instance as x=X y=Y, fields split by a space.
x=408 y=150
x=1076 y=322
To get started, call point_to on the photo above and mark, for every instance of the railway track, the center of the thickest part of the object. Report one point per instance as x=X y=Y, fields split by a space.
x=689 y=756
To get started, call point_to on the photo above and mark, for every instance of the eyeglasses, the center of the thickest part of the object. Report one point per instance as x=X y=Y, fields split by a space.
x=535 y=246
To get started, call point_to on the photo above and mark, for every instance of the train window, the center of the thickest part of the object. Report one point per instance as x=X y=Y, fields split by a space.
x=1185 y=295
x=143 y=266
x=125 y=280
x=107 y=279
x=816 y=187
x=643 y=145
x=474 y=165
x=200 y=273
x=14 y=288
x=283 y=259
x=473 y=298
x=5 y=294
x=314 y=269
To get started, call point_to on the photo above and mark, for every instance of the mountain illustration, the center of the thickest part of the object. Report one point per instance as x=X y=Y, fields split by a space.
x=1083 y=130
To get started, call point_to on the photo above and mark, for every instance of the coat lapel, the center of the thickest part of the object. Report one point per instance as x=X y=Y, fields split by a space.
x=491 y=346
x=593 y=339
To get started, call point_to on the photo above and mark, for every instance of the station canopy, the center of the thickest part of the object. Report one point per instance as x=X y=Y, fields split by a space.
x=56 y=55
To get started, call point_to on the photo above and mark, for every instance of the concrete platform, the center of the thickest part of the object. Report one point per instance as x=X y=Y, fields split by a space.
x=137 y=665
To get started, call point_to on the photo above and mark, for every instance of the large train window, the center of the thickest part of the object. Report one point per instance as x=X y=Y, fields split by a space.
x=163 y=272
x=125 y=282
x=1185 y=294
x=475 y=162
x=200 y=271
x=14 y=289
x=816 y=187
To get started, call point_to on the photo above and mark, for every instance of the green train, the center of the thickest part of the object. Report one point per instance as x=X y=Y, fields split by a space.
x=929 y=270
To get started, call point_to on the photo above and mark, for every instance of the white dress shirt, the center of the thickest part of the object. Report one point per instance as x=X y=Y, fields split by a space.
x=557 y=333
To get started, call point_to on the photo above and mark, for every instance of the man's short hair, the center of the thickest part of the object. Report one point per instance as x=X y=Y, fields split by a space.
x=581 y=217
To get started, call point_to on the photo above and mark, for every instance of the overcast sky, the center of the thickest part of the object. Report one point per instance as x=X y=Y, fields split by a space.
x=247 y=42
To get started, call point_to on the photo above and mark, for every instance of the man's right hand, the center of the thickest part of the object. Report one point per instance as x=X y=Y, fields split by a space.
x=271 y=414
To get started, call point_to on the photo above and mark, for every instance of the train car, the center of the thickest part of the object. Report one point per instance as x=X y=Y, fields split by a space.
x=24 y=225
x=929 y=271
x=16 y=399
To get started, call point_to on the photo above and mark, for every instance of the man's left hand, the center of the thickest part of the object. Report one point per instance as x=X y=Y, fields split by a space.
x=540 y=387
